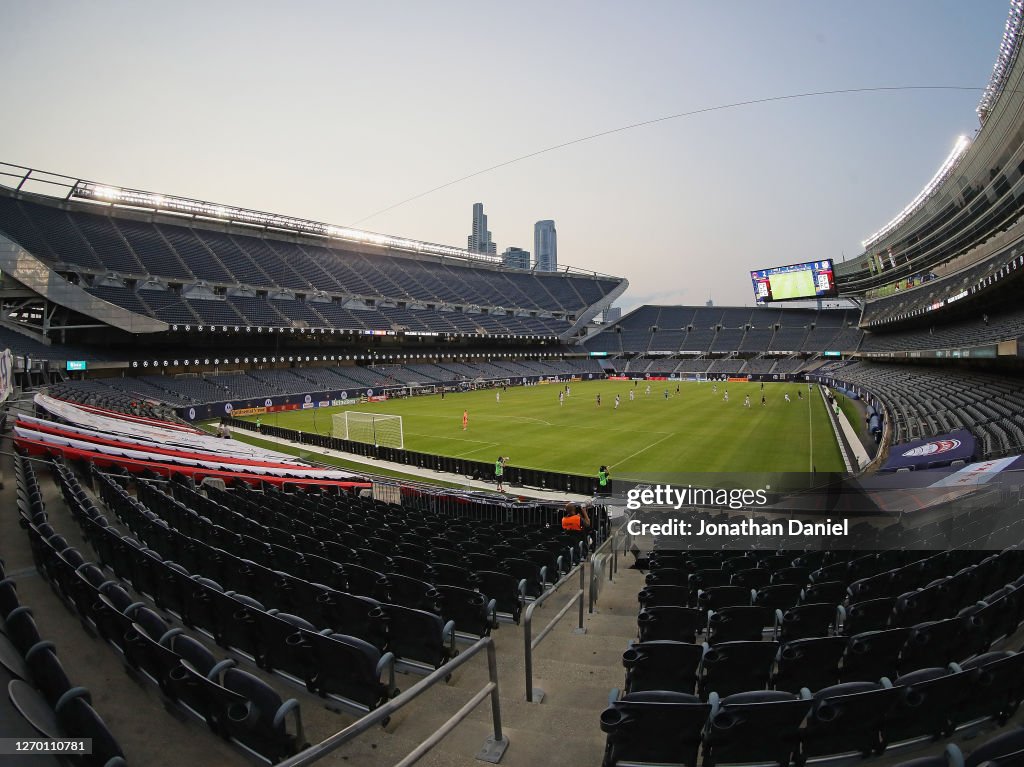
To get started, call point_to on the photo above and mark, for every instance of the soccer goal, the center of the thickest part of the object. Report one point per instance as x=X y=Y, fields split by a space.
x=374 y=428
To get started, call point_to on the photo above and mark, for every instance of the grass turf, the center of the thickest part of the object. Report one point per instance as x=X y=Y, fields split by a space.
x=690 y=432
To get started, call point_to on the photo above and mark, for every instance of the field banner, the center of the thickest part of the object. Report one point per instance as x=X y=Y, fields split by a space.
x=932 y=452
x=6 y=374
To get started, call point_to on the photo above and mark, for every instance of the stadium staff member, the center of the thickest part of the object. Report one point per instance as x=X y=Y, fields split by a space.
x=575 y=518
x=499 y=471
x=604 y=478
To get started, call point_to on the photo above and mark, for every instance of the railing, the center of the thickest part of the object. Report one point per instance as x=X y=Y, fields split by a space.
x=601 y=561
x=599 y=564
x=536 y=695
x=493 y=749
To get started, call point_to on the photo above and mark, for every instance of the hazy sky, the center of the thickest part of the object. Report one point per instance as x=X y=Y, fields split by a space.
x=333 y=110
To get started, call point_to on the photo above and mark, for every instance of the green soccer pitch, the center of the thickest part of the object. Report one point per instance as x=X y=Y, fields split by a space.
x=693 y=431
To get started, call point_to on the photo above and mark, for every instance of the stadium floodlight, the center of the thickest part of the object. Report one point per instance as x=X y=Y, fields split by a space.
x=137 y=198
x=1009 y=48
x=944 y=172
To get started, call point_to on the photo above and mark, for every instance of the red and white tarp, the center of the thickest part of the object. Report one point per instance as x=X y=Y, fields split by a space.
x=138 y=447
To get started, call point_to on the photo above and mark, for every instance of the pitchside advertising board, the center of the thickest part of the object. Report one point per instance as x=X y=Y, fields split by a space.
x=248 y=407
x=812 y=279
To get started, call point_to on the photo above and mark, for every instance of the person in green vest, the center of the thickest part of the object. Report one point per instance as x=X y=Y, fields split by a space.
x=259 y=424
x=604 y=481
x=499 y=471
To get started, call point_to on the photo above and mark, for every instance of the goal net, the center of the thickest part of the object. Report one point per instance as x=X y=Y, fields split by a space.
x=372 y=428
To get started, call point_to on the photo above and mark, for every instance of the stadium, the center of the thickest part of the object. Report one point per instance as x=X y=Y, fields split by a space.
x=280 y=491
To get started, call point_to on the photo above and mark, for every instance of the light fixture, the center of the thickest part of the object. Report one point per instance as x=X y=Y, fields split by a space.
x=136 y=198
x=944 y=172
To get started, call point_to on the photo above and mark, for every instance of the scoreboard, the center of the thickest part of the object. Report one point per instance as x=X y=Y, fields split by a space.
x=810 y=280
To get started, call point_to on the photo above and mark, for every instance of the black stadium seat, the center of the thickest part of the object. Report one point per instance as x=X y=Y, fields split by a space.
x=812 y=663
x=873 y=655
x=759 y=727
x=848 y=719
x=742 y=622
x=733 y=667
x=661 y=665
x=656 y=727
x=679 y=624
x=261 y=723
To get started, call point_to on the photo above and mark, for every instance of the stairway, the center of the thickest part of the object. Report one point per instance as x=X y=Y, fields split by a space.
x=575 y=671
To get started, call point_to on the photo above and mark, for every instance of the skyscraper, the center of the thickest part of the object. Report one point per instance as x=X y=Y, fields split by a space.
x=480 y=240
x=545 y=246
x=516 y=258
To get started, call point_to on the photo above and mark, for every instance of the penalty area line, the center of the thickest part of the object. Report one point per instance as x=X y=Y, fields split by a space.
x=487 y=446
x=641 y=450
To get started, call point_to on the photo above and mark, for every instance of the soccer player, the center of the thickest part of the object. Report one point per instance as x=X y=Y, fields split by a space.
x=561 y=398
x=714 y=388
x=631 y=397
x=725 y=398
x=763 y=401
x=746 y=401
x=647 y=393
x=617 y=399
x=677 y=388
x=497 y=397
x=465 y=419
x=799 y=393
x=787 y=397
x=666 y=393
x=598 y=400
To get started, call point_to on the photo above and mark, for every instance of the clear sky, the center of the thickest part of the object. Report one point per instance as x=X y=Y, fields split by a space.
x=332 y=110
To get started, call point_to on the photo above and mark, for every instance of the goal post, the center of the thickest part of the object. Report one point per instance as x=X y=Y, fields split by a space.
x=372 y=428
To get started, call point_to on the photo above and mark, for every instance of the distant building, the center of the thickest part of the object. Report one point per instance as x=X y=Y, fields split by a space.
x=516 y=258
x=612 y=314
x=480 y=240
x=545 y=246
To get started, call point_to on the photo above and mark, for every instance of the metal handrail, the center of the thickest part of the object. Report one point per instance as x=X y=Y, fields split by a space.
x=494 y=746
x=530 y=644
x=598 y=564
x=618 y=542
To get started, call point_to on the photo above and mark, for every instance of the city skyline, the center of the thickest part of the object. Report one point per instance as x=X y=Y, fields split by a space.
x=479 y=240
x=334 y=133
x=545 y=246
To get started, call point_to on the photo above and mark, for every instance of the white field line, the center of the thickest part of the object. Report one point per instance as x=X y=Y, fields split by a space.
x=641 y=450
